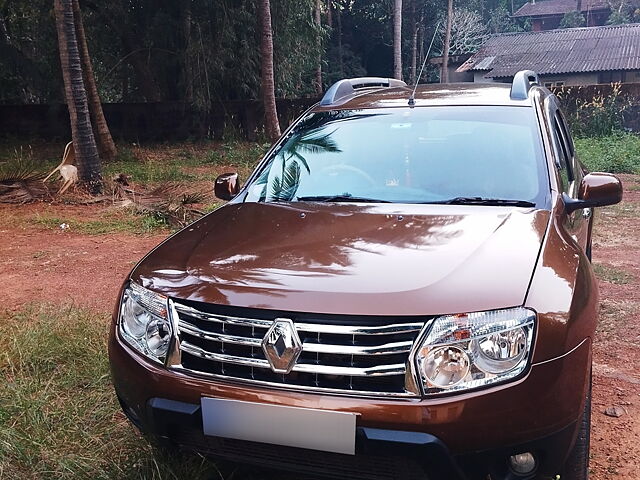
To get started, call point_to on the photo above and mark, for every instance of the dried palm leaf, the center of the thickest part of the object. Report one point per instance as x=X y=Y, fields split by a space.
x=20 y=181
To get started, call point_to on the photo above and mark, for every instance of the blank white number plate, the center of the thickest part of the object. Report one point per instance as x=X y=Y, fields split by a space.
x=324 y=430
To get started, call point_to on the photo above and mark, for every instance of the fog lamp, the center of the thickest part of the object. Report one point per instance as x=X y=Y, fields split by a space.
x=522 y=463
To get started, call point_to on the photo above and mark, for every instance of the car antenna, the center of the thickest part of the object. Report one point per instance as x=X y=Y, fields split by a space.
x=412 y=98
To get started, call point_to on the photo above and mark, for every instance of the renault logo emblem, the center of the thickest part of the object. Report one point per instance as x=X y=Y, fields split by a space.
x=281 y=345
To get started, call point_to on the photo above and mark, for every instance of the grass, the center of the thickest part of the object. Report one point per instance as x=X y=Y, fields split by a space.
x=611 y=274
x=112 y=222
x=59 y=418
x=185 y=162
x=189 y=161
x=617 y=153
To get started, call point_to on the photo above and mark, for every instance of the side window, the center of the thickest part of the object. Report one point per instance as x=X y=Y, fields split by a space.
x=565 y=132
x=564 y=165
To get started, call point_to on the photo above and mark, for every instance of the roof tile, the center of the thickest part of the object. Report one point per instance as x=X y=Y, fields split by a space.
x=571 y=50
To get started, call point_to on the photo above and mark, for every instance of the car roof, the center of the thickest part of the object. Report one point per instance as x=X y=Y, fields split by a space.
x=430 y=95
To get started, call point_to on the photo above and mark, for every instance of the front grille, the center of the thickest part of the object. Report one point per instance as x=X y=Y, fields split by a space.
x=339 y=354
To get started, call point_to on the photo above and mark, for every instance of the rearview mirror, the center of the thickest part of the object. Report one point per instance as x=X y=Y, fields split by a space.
x=596 y=190
x=226 y=186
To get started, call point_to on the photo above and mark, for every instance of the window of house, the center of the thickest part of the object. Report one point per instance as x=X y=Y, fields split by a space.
x=548 y=84
x=559 y=84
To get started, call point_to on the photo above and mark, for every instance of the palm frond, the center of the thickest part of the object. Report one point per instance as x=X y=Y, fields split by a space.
x=172 y=202
x=285 y=188
x=21 y=181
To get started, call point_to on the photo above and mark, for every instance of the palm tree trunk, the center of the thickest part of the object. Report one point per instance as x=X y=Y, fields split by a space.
x=86 y=152
x=414 y=42
x=318 y=20
x=444 y=76
x=106 y=146
x=187 y=69
x=340 y=54
x=272 y=126
x=397 y=39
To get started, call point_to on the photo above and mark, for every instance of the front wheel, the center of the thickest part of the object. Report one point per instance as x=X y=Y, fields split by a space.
x=577 y=465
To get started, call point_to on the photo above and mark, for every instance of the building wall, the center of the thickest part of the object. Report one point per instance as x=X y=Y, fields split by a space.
x=568 y=80
x=458 y=77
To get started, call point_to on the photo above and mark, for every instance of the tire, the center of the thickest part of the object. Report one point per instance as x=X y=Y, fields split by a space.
x=576 y=466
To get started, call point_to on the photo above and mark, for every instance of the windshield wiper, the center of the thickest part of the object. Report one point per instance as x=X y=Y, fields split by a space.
x=485 y=201
x=346 y=197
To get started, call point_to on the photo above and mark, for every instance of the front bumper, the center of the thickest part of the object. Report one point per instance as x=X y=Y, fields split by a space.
x=462 y=436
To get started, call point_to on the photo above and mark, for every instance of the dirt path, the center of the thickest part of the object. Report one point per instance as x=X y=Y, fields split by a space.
x=63 y=266
x=615 y=450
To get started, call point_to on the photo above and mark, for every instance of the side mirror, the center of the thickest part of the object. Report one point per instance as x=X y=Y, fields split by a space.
x=596 y=190
x=226 y=186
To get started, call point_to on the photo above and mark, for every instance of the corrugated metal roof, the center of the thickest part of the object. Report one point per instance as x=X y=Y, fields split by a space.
x=558 y=7
x=570 y=50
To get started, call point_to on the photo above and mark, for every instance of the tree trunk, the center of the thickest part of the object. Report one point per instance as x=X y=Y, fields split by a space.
x=272 y=126
x=414 y=42
x=340 y=54
x=444 y=75
x=397 y=39
x=187 y=70
x=318 y=20
x=330 y=13
x=106 y=147
x=86 y=152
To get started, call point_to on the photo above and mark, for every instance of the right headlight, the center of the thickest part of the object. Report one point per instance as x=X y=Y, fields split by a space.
x=144 y=323
x=472 y=350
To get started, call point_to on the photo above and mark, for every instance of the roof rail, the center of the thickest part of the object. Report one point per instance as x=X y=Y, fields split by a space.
x=522 y=83
x=348 y=86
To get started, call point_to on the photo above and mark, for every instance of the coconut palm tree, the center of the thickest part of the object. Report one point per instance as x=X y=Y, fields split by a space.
x=444 y=77
x=106 y=146
x=397 y=39
x=86 y=151
x=318 y=21
x=272 y=126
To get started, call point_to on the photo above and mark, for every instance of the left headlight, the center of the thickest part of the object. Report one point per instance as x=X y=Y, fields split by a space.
x=468 y=351
x=144 y=323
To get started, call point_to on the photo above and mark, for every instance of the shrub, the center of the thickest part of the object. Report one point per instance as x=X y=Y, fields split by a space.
x=601 y=115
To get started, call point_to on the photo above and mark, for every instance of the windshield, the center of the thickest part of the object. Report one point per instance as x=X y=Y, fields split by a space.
x=407 y=155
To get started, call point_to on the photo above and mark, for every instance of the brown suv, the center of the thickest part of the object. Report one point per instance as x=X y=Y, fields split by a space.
x=402 y=289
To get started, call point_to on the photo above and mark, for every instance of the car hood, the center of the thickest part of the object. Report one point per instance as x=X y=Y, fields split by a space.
x=358 y=259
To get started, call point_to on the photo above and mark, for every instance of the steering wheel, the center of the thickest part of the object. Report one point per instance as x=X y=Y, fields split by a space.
x=349 y=170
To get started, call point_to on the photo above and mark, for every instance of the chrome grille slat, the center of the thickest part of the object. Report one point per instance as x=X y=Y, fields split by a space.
x=367 y=358
x=218 y=337
x=305 y=327
x=385 y=349
x=381 y=370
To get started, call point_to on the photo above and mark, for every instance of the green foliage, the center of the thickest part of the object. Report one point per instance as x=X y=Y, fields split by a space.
x=501 y=21
x=616 y=153
x=572 y=19
x=618 y=18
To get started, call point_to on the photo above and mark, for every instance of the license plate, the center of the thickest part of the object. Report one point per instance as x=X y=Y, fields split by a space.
x=324 y=430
